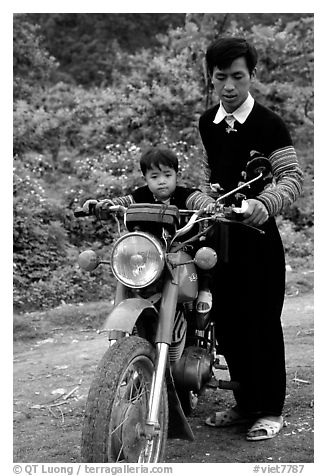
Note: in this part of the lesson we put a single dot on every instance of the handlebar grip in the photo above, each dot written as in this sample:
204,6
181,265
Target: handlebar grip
239,211
116,208
79,212
95,209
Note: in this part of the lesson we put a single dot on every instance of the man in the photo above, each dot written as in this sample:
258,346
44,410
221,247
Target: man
250,286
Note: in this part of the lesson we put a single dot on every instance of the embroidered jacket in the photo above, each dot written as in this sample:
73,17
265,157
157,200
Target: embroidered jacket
226,154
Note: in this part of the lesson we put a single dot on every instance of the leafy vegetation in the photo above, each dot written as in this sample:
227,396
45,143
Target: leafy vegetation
90,93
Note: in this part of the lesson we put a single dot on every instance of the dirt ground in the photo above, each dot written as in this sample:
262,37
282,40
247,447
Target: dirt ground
52,377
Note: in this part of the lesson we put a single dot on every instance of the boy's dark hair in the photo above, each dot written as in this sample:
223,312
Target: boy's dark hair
156,156
223,51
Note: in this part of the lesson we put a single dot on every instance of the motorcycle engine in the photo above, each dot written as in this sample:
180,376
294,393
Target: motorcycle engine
194,369
178,336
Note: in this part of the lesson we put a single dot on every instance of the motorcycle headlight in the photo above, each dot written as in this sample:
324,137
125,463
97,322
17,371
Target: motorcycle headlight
137,259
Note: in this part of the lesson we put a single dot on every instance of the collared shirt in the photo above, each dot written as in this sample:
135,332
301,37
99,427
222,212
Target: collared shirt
240,114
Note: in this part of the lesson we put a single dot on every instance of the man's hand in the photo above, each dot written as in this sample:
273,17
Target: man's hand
256,213
210,208
86,205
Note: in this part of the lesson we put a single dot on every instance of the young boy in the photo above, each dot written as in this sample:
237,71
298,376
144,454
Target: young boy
160,170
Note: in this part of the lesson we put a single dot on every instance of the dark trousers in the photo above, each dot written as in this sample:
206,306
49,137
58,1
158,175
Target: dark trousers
248,294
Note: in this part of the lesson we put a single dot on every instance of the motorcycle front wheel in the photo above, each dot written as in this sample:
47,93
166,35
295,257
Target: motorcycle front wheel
117,407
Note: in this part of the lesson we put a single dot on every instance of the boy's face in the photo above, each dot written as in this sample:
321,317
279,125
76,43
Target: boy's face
232,84
161,181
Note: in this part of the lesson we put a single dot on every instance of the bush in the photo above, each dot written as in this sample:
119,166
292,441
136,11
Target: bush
73,143
48,238
69,284
298,245
160,96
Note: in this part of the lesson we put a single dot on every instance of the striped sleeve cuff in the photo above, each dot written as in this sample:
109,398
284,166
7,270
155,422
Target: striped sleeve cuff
205,186
288,181
198,200
125,201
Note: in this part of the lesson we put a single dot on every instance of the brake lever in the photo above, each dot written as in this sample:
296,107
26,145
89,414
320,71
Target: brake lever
79,212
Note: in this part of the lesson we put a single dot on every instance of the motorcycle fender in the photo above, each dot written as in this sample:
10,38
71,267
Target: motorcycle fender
178,426
124,316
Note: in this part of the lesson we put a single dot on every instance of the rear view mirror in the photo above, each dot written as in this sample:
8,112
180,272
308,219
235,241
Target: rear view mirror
257,166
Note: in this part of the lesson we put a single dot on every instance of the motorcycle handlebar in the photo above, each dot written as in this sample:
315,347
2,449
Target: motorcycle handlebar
80,212
237,212
196,214
117,208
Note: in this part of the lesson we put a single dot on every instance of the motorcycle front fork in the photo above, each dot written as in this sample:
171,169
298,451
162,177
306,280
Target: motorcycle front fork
162,352
152,426
152,421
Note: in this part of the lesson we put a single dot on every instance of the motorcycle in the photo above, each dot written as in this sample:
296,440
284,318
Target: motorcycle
160,356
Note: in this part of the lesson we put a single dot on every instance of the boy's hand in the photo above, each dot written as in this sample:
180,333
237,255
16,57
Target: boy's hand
89,204
256,214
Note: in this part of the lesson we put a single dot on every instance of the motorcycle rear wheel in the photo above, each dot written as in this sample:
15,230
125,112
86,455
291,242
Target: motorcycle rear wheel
117,407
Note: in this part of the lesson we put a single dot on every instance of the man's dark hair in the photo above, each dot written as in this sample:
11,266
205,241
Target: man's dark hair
223,51
156,157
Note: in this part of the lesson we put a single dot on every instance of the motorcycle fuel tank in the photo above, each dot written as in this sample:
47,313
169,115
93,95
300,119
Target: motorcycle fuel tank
188,278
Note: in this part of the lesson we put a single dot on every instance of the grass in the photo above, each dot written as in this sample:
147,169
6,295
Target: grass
39,324
299,282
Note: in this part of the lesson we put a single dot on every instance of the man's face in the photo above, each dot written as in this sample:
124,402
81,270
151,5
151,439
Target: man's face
232,84
161,182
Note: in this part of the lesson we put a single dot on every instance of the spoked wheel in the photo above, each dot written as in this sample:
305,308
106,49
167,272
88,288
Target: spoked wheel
117,407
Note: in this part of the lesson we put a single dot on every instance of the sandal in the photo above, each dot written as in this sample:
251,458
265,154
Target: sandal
270,427
206,298
226,418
